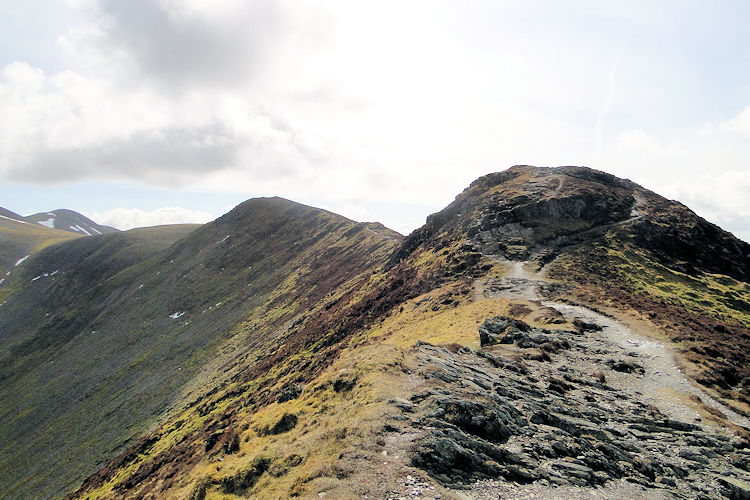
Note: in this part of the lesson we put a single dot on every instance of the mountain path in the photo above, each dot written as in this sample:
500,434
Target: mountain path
546,413
604,413
662,380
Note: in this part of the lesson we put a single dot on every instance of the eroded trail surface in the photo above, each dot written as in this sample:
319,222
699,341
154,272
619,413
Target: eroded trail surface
660,381
543,413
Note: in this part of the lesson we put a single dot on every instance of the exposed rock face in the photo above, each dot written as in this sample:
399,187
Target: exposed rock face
502,330
527,212
557,422
548,215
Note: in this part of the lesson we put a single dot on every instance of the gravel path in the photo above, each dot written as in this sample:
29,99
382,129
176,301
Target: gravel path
658,361
597,413
662,375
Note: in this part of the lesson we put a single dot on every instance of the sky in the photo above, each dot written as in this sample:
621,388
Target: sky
162,111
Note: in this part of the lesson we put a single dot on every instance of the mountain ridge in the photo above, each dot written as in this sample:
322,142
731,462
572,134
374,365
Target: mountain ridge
19,239
358,362
193,292
585,206
4,212
428,279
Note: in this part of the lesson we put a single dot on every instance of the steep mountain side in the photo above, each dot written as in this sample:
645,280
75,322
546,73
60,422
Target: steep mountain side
613,244
129,327
68,220
48,307
313,372
475,355
65,280
451,367
19,239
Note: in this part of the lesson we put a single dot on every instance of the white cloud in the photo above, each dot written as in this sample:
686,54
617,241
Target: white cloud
720,197
68,127
129,218
707,148
740,123
706,169
189,44
23,77
361,103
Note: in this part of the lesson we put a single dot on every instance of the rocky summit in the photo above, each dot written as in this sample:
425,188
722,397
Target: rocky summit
552,333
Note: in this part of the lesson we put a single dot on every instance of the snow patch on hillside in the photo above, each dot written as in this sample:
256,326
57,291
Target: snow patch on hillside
14,220
79,229
50,223
19,261
45,275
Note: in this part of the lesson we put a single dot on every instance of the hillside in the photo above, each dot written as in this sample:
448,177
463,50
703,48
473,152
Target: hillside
68,220
9,214
520,344
23,236
19,238
117,325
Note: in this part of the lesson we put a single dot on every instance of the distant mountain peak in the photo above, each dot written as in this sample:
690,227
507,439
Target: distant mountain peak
69,220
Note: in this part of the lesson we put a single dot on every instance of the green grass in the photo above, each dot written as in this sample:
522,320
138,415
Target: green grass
713,295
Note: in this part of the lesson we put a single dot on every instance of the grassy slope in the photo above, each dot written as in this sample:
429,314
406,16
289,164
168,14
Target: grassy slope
342,404
240,286
42,323
18,239
81,265
344,356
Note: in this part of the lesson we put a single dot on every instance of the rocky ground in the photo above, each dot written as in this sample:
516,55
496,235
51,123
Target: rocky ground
598,412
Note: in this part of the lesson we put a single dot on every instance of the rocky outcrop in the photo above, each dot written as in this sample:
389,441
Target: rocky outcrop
502,330
531,212
556,422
